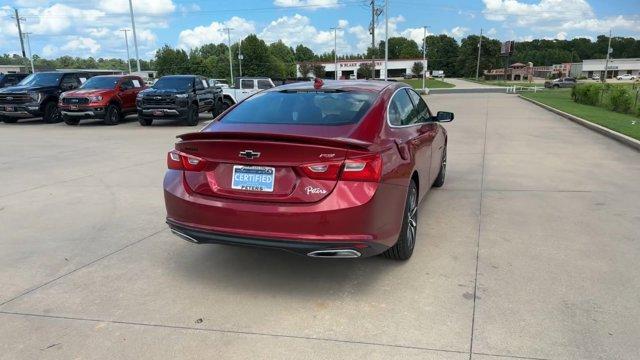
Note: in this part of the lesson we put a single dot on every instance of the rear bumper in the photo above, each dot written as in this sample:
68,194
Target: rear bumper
313,249
363,217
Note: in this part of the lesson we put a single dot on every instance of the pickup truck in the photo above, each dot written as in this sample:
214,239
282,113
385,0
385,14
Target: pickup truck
243,88
565,82
178,97
106,97
37,95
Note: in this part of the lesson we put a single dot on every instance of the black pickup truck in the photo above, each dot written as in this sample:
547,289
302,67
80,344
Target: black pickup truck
37,95
178,97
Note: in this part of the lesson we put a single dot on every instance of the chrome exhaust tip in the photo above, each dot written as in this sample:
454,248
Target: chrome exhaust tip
184,236
334,254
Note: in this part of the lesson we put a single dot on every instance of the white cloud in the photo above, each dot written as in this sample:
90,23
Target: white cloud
297,29
415,34
214,33
457,32
81,45
58,18
148,7
363,37
309,4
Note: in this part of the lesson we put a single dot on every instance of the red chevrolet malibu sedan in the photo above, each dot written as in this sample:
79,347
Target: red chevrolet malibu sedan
331,169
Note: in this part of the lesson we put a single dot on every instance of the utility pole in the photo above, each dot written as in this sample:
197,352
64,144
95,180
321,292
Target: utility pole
386,38
375,12
30,54
228,30
135,37
335,49
606,66
18,19
126,43
479,53
424,57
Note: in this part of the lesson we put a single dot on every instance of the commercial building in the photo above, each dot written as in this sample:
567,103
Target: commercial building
13,69
346,68
615,67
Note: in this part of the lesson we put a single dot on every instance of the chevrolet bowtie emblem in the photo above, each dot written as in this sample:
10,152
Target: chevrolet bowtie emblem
249,154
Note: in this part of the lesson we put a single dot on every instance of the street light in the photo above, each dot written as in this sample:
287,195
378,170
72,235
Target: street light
335,49
126,43
26,35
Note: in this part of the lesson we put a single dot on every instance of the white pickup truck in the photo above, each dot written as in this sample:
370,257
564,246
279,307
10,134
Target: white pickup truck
243,88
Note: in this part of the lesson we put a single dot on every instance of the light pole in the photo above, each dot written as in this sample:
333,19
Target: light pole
240,56
335,49
126,43
135,37
386,38
26,34
228,30
479,52
606,65
424,57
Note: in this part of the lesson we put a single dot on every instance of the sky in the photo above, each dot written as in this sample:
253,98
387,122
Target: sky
93,28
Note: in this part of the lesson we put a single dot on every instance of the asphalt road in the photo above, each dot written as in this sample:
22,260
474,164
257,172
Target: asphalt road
530,250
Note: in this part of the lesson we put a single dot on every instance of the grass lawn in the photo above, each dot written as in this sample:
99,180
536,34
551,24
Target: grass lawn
431,83
561,100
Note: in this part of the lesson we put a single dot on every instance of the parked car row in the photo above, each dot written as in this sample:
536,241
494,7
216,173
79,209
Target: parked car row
73,96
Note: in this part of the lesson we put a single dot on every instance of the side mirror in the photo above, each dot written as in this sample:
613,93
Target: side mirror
444,116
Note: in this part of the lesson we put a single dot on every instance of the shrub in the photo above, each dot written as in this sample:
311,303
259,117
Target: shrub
588,94
620,99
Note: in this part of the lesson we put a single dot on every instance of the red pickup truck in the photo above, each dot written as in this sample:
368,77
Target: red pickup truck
107,97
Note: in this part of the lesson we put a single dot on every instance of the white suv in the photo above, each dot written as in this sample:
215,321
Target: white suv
626,77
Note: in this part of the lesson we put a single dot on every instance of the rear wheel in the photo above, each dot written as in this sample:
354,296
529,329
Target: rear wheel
403,249
144,121
443,170
52,113
226,103
192,115
113,115
8,120
69,120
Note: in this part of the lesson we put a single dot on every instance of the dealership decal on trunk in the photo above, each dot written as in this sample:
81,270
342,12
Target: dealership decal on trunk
314,190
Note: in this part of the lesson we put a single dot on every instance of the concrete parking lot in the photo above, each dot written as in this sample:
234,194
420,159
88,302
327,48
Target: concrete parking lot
529,251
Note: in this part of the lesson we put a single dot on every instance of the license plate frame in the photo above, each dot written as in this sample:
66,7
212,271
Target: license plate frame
158,113
259,178
9,109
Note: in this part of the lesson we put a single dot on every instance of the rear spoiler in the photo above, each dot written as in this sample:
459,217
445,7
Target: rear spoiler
220,135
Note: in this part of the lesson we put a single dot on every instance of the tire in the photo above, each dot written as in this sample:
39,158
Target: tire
226,103
8,120
70,121
403,248
145,121
192,116
52,114
556,86
113,115
443,170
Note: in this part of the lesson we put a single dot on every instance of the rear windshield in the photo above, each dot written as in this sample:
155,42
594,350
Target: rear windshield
302,108
177,83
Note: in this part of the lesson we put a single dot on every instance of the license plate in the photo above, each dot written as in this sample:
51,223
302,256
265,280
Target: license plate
9,108
253,178
73,107
158,113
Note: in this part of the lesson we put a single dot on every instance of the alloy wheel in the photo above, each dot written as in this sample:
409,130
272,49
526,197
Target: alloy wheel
412,227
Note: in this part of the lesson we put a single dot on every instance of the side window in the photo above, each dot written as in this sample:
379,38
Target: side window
126,84
137,82
422,110
246,84
199,85
264,84
401,110
70,82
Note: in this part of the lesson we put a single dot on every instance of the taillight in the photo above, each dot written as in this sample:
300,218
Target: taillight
364,168
177,160
322,171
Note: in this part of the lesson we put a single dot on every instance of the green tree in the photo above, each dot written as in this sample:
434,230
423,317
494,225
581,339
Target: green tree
172,61
285,60
417,68
303,53
257,59
364,70
318,70
468,56
400,48
442,51
305,68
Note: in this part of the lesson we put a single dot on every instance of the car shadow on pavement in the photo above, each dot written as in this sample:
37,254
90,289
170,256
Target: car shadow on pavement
276,272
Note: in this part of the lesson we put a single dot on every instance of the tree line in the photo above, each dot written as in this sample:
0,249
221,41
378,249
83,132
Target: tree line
277,60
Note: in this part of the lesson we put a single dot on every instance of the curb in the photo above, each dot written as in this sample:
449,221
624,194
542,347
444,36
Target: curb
624,139
454,90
